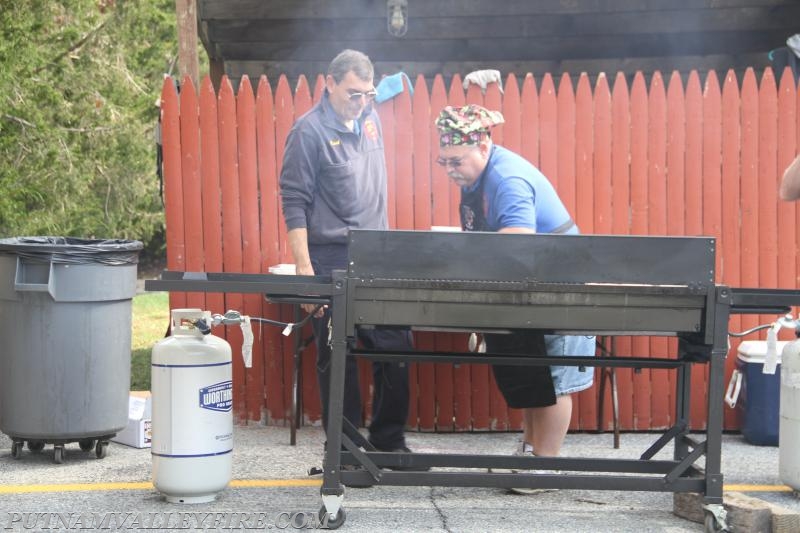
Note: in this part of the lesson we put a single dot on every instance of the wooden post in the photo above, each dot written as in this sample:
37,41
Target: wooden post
186,11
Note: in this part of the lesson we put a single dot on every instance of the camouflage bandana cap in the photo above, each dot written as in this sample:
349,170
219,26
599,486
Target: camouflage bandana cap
465,125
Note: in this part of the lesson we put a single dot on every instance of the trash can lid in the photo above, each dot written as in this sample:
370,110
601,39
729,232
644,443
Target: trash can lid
73,250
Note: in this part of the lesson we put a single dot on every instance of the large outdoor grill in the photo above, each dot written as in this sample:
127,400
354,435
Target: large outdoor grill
569,284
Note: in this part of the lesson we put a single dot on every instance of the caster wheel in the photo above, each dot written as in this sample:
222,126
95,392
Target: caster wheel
58,453
331,523
101,450
86,444
16,448
35,445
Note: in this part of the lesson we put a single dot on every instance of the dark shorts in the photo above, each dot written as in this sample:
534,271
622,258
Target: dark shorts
522,386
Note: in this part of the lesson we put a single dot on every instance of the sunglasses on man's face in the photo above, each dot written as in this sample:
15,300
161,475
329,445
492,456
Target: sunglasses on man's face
454,162
357,96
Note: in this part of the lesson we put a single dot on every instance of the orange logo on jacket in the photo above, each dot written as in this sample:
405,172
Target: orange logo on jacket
370,130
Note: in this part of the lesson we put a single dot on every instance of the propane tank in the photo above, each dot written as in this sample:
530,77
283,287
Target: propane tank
192,392
789,432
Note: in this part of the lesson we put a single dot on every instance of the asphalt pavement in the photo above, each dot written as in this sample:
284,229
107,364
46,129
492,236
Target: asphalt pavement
271,490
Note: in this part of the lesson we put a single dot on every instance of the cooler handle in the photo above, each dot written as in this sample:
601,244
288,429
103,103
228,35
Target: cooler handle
734,387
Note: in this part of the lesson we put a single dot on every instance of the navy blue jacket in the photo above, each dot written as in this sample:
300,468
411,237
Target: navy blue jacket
333,179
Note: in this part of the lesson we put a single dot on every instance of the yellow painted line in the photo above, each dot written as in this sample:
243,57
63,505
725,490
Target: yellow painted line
74,487
146,485
758,488
266,483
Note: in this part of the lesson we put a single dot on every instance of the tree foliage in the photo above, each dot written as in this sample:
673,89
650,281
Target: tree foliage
79,82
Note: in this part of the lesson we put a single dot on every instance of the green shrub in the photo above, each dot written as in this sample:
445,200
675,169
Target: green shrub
78,109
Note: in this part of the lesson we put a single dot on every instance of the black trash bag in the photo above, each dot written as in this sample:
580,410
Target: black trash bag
73,250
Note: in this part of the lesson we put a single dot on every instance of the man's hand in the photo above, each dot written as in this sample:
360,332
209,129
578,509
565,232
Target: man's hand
298,243
308,270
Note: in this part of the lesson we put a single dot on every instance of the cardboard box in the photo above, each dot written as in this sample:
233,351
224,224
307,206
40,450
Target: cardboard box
138,432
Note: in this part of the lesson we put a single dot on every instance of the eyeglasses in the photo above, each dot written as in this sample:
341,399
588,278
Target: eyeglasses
369,95
454,162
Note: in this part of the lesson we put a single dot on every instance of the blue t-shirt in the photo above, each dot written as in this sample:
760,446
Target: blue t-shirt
517,195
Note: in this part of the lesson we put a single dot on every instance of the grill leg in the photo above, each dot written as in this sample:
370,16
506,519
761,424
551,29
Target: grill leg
683,392
608,373
716,391
332,491
297,379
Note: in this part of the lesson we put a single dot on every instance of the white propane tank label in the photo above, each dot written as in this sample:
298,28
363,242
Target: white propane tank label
202,399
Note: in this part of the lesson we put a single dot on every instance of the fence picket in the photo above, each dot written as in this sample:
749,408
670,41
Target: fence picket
319,88
602,224
548,130
693,201
190,178
639,226
620,179
302,103
404,165
712,178
675,181
529,101
210,187
767,184
750,188
274,405
731,198
425,377
657,225
231,227
251,240
565,149
387,117
284,118
173,188
584,408
787,148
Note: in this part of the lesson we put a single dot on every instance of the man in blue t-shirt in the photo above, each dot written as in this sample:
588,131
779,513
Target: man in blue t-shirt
502,192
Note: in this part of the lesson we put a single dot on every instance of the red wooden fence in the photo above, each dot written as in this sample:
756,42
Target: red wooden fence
700,158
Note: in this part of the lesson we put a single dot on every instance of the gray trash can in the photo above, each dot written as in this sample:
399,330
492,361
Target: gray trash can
65,329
